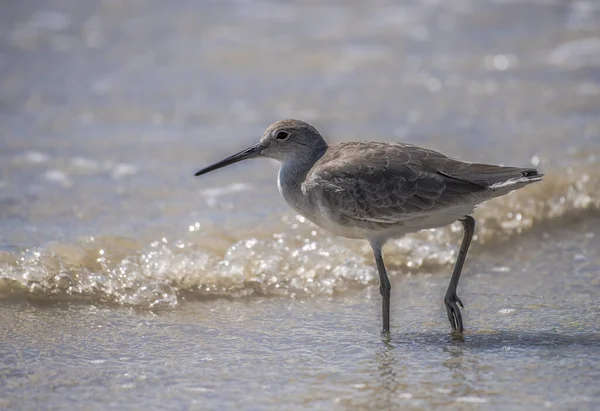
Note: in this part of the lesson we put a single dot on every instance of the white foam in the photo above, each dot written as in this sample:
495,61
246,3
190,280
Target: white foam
577,53
124,170
58,176
472,400
85,163
35,157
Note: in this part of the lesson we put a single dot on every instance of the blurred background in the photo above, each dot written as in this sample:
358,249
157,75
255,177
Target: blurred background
107,108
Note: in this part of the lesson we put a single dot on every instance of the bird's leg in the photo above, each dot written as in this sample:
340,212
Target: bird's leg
384,287
451,300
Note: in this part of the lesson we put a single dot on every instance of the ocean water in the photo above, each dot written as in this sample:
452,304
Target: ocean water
125,282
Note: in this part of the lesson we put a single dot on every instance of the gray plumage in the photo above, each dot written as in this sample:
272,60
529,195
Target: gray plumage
377,191
377,186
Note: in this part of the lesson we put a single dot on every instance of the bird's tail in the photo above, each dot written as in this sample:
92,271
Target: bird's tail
500,180
518,178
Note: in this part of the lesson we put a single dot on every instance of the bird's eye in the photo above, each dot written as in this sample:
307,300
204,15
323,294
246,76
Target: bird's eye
282,135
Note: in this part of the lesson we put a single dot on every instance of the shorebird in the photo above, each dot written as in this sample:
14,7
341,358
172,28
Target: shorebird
380,191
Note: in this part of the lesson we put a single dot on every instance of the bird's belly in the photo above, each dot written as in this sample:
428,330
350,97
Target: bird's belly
396,228
438,218
348,227
342,229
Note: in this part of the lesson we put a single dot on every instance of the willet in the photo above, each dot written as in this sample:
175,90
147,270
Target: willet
380,191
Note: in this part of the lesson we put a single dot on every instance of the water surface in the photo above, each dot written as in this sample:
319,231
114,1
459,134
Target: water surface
126,282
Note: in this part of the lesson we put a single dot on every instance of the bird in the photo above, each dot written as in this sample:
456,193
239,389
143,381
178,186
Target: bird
379,191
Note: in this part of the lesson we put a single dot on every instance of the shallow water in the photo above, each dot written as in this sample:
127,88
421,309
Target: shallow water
125,281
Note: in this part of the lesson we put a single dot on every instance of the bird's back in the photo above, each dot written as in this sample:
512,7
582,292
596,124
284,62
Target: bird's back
379,186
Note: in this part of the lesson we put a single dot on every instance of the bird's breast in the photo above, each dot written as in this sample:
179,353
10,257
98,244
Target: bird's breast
289,187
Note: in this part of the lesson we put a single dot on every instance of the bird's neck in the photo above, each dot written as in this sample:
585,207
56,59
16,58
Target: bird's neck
293,173
294,170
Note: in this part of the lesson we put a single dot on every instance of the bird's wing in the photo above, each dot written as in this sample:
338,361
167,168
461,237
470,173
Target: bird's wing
384,182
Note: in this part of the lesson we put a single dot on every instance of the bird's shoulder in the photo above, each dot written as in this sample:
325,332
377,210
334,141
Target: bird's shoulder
367,164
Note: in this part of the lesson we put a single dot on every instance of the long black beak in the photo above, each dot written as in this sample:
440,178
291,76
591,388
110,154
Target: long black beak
242,155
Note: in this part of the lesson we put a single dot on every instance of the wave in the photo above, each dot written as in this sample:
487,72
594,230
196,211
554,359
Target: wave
294,259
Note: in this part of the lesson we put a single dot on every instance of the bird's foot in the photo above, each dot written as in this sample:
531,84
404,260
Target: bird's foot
454,316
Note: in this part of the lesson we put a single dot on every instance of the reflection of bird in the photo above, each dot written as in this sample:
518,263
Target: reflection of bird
377,191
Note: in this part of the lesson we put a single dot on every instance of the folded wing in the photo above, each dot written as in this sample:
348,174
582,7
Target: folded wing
388,182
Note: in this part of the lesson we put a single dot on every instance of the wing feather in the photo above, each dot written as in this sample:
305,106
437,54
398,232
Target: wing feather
385,182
